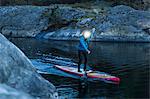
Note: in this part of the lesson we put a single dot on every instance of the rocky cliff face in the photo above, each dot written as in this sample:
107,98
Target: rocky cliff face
17,71
22,21
118,23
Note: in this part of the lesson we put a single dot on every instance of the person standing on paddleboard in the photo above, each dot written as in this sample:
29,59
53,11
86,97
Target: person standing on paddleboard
83,47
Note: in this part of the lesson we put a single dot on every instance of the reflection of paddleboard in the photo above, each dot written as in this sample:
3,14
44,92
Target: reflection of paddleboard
90,74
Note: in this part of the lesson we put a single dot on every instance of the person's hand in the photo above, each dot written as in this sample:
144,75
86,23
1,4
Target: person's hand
89,51
93,30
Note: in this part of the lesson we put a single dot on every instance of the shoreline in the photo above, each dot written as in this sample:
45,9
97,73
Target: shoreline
77,39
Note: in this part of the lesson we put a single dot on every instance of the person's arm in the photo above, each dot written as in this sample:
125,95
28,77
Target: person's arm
93,30
83,44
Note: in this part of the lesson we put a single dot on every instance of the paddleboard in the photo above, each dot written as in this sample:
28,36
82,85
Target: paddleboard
96,75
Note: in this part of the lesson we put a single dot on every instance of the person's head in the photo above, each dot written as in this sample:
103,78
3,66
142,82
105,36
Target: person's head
86,34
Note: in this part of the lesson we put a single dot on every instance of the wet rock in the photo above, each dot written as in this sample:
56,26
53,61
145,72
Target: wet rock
7,92
17,71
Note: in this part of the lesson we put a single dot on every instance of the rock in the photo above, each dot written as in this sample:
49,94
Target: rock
48,2
51,22
17,71
144,23
7,92
63,34
38,2
84,21
29,21
22,21
120,23
124,21
69,14
137,4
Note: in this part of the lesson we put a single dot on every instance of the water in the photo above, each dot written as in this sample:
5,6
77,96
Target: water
128,61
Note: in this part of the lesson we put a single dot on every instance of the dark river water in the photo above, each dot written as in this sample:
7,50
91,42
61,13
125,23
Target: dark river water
128,61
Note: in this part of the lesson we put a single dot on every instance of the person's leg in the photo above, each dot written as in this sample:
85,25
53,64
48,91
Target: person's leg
85,60
80,60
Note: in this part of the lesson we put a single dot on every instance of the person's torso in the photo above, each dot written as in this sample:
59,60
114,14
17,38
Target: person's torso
81,47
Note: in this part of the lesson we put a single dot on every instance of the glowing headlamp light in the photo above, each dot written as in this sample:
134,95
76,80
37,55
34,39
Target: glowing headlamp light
86,34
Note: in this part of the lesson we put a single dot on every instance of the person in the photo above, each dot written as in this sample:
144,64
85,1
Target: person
83,47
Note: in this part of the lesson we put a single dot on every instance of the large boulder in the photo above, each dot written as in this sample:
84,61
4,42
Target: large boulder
7,92
22,21
17,71
29,21
125,23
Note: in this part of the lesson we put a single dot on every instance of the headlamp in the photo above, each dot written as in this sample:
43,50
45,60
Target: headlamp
86,34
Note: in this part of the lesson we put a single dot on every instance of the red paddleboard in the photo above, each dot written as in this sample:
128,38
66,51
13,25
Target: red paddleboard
90,74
